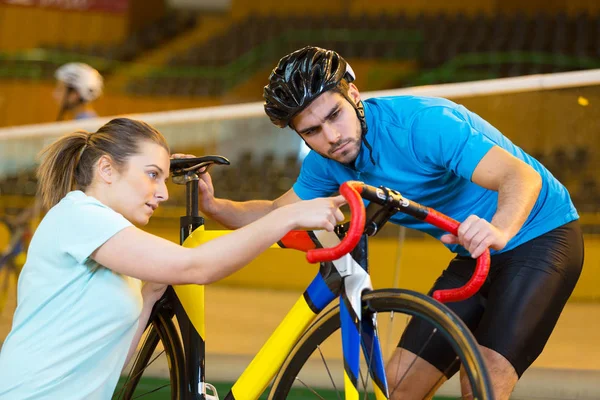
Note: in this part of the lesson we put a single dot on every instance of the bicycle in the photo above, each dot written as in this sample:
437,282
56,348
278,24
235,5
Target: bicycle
12,258
343,273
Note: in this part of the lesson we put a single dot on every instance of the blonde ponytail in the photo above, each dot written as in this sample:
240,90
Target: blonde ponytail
56,173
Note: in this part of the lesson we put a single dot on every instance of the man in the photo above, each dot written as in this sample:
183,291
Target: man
77,86
439,154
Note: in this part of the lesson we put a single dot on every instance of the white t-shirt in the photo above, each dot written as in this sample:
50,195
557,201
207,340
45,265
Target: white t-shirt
75,319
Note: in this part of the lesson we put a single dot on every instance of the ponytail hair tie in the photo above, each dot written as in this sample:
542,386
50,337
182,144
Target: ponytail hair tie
85,146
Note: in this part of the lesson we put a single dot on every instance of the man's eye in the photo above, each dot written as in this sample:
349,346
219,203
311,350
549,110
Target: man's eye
335,114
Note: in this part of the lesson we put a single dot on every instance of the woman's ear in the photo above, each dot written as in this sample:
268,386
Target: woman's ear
105,169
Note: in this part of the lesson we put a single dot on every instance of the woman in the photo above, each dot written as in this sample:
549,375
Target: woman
81,306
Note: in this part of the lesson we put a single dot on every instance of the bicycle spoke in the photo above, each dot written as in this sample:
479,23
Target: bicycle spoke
152,391
413,361
133,364
364,382
136,359
329,373
324,336
360,374
369,365
386,345
311,389
146,375
149,363
138,374
400,357
452,364
444,374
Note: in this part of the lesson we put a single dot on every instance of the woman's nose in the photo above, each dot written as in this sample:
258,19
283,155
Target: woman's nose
163,193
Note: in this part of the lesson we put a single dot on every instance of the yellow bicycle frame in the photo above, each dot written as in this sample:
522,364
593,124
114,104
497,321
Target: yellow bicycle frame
269,359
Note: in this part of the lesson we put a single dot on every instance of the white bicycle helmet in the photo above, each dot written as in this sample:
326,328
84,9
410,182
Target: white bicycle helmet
84,79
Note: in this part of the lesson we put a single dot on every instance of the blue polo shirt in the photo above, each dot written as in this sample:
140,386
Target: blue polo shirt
427,149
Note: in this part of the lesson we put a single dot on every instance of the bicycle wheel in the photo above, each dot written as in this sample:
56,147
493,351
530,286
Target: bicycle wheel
316,364
158,368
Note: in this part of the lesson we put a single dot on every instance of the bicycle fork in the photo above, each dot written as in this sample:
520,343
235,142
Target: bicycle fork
358,328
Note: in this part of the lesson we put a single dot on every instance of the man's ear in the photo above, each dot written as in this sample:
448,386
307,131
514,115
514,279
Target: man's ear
105,169
353,93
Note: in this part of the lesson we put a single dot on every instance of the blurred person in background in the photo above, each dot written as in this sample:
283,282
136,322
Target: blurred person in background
441,155
77,86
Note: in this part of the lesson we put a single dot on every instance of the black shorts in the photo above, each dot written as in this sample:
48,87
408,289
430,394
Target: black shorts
518,306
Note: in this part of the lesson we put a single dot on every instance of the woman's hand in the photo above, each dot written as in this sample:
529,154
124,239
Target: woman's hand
323,213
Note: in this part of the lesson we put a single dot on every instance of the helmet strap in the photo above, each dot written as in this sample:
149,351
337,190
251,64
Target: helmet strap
360,113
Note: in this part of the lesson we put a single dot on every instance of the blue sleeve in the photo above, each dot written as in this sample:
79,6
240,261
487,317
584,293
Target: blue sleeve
442,137
314,180
91,225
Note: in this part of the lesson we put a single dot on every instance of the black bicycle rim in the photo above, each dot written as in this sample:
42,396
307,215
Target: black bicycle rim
381,301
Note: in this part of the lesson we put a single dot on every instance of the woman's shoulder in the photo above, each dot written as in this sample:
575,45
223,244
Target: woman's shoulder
80,223
78,207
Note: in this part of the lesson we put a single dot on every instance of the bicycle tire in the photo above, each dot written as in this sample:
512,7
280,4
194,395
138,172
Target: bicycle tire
390,300
162,329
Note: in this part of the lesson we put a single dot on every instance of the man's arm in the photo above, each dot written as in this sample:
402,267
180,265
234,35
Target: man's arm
235,214
518,186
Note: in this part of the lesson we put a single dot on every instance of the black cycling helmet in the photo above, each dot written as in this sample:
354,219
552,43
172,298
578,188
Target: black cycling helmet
299,78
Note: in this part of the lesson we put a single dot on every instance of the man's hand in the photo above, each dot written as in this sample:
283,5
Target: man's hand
207,203
476,234
181,155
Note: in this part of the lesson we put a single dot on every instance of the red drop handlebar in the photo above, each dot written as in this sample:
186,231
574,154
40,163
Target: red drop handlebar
354,192
351,192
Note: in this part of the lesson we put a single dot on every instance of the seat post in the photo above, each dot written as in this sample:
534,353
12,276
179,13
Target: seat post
192,218
191,194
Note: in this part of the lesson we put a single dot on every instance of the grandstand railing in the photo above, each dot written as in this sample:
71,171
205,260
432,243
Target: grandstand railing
228,129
